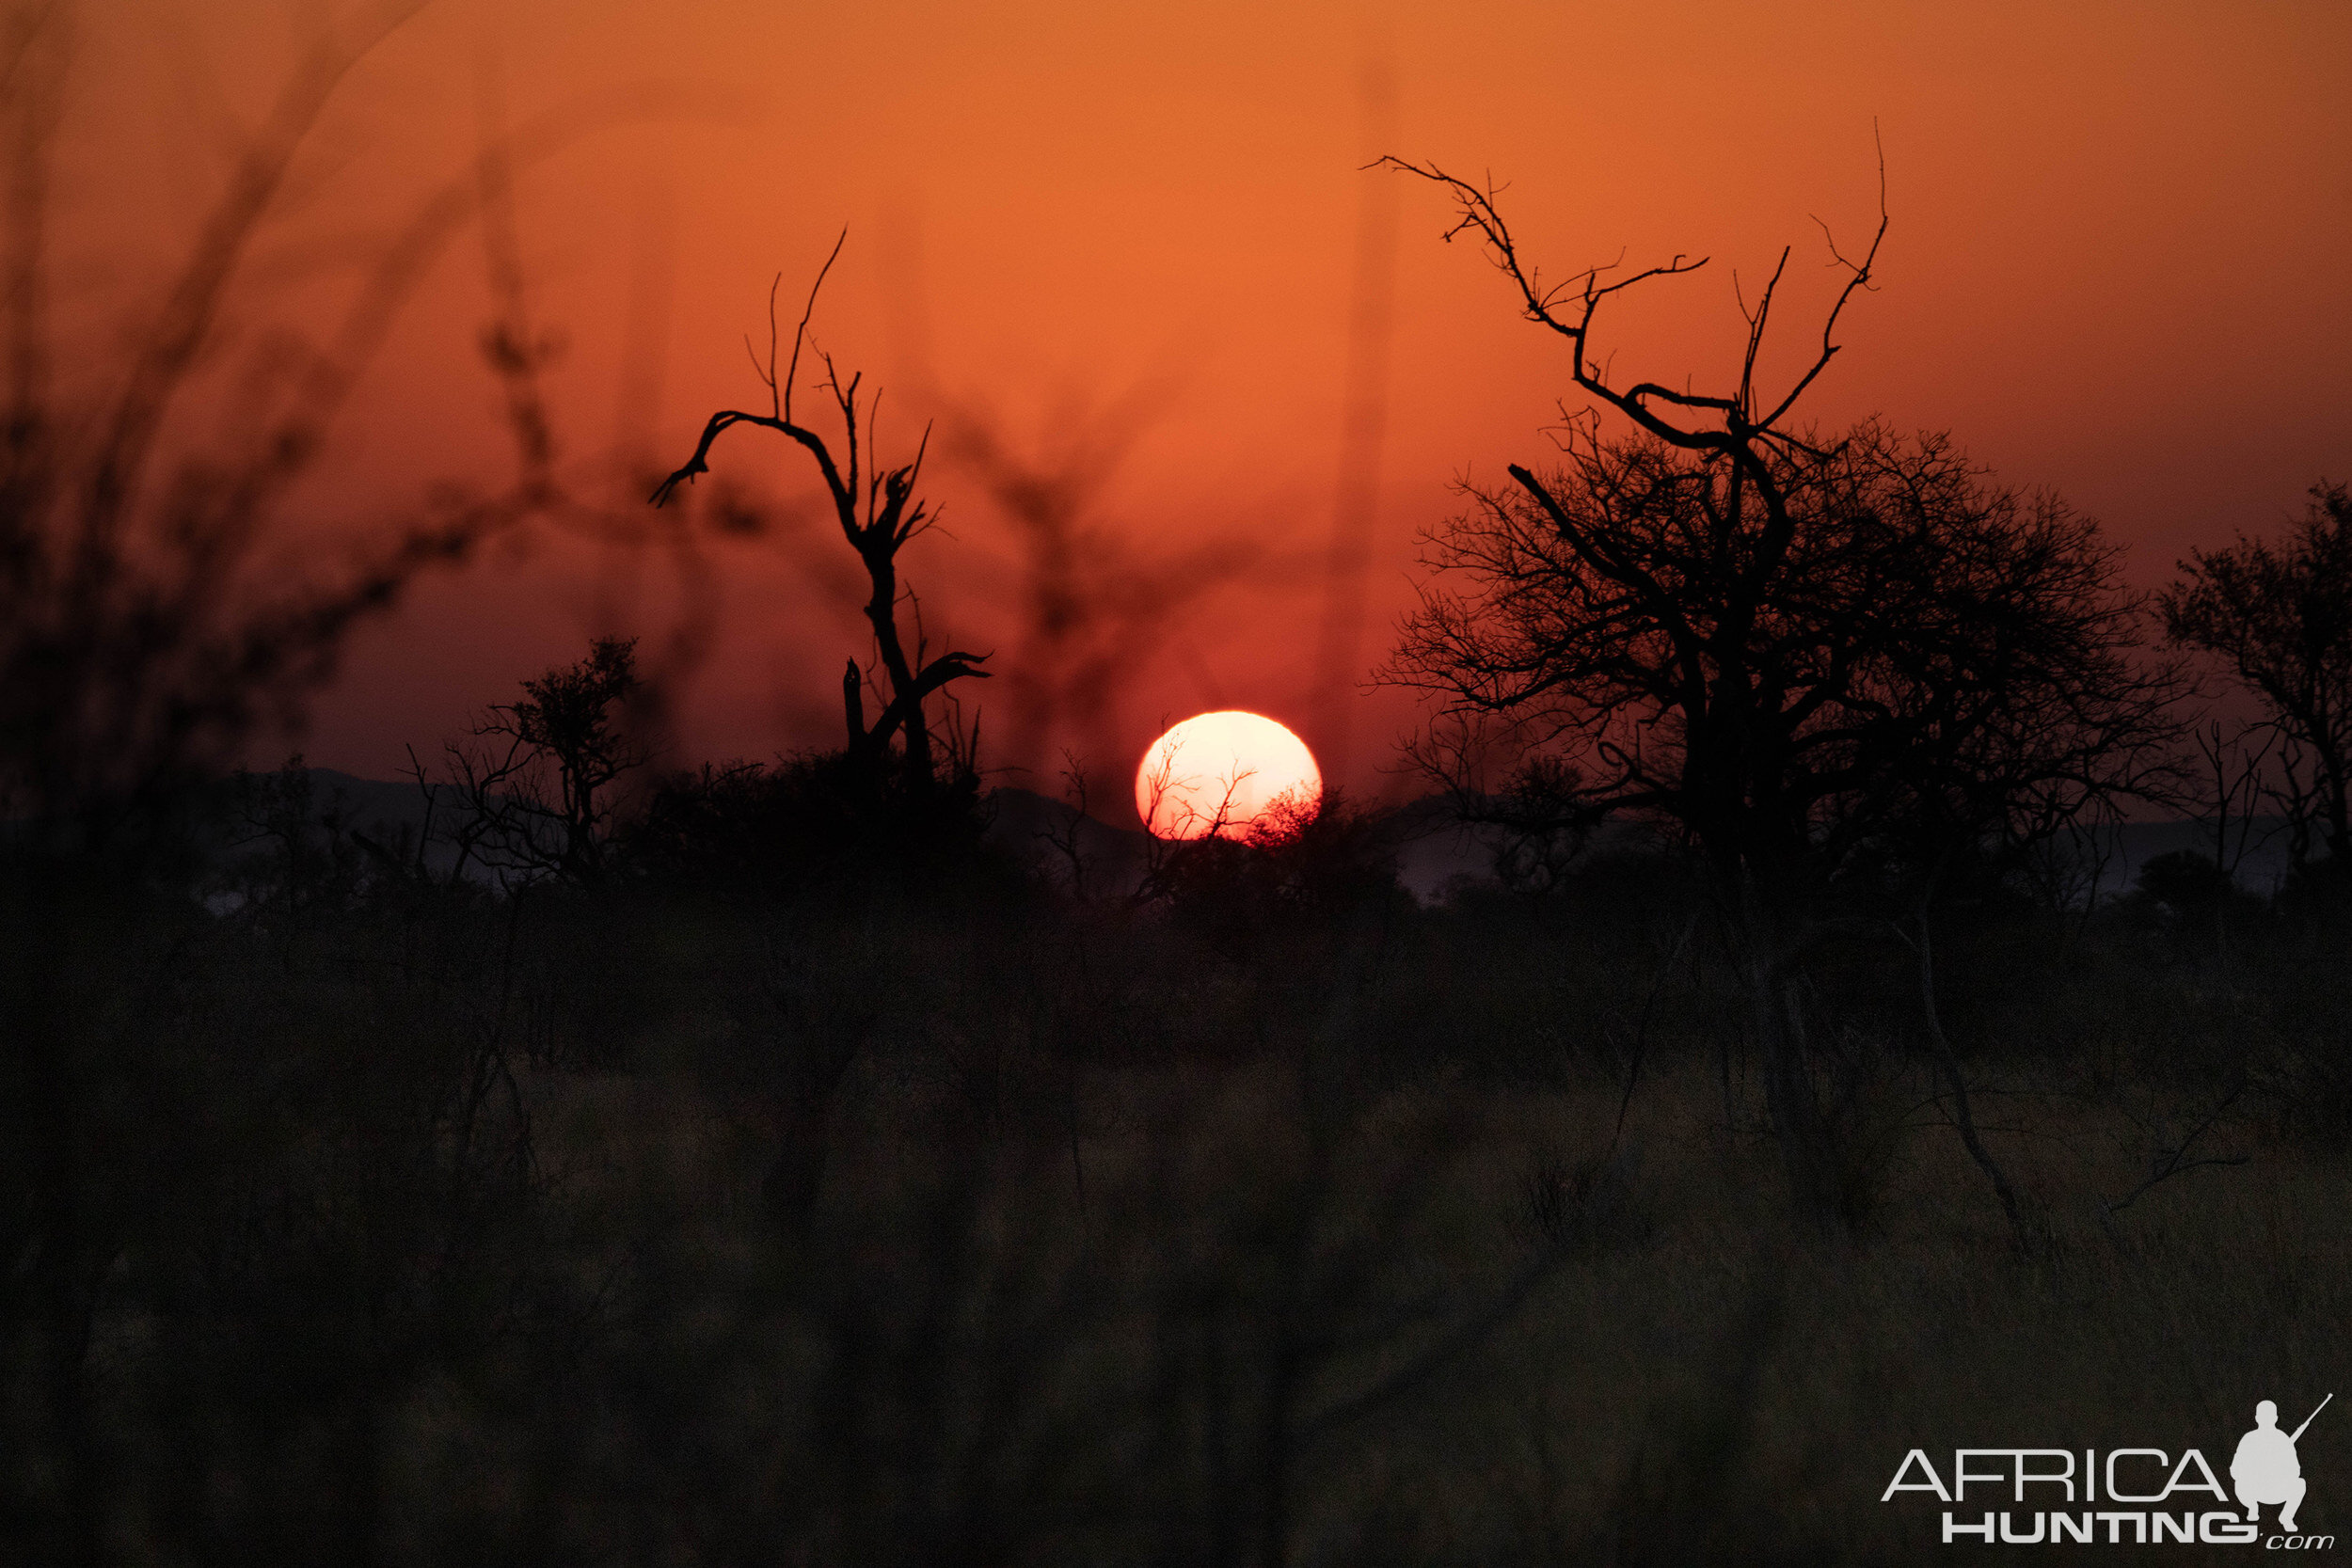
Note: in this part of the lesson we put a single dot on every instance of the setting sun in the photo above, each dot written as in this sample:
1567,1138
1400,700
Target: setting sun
1217,772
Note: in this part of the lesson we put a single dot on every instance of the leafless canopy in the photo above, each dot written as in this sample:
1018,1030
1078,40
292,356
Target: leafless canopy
1784,645
1740,425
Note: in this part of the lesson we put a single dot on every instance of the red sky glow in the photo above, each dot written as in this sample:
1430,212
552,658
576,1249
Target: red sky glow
1124,242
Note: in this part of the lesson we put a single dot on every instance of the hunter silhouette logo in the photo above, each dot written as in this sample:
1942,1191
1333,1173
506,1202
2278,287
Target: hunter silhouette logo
2266,1471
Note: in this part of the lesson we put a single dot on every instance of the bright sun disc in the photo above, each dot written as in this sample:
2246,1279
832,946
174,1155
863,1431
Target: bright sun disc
1219,771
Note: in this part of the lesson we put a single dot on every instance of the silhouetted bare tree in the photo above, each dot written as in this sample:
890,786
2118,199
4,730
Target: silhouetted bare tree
2282,617
1803,653
878,515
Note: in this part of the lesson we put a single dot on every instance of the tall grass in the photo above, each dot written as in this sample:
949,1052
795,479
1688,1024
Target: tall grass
976,1226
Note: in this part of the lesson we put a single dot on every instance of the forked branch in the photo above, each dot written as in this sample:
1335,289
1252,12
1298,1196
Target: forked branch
1570,308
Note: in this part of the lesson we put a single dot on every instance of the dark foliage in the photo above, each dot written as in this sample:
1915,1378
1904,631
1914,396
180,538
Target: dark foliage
534,783
820,821
596,1221
2186,882
1297,870
2280,618
1915,662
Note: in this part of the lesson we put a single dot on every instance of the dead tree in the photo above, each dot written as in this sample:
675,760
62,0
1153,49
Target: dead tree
878,515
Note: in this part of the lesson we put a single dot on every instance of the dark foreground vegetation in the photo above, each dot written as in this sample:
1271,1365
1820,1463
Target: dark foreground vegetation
906,1207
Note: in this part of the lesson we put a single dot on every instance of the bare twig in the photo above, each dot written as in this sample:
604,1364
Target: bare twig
2173,1161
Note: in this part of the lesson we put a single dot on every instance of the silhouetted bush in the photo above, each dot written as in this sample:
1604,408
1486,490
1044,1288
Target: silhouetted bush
1298,870
2186,882
812,822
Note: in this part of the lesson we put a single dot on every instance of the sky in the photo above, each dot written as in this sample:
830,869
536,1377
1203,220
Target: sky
1132,251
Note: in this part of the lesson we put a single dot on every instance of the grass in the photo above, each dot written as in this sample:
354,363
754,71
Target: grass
983,1227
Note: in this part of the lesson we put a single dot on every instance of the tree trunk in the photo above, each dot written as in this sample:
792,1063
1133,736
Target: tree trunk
1770,941
1806,1150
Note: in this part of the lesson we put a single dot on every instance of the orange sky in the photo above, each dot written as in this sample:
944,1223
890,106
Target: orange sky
2116,267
